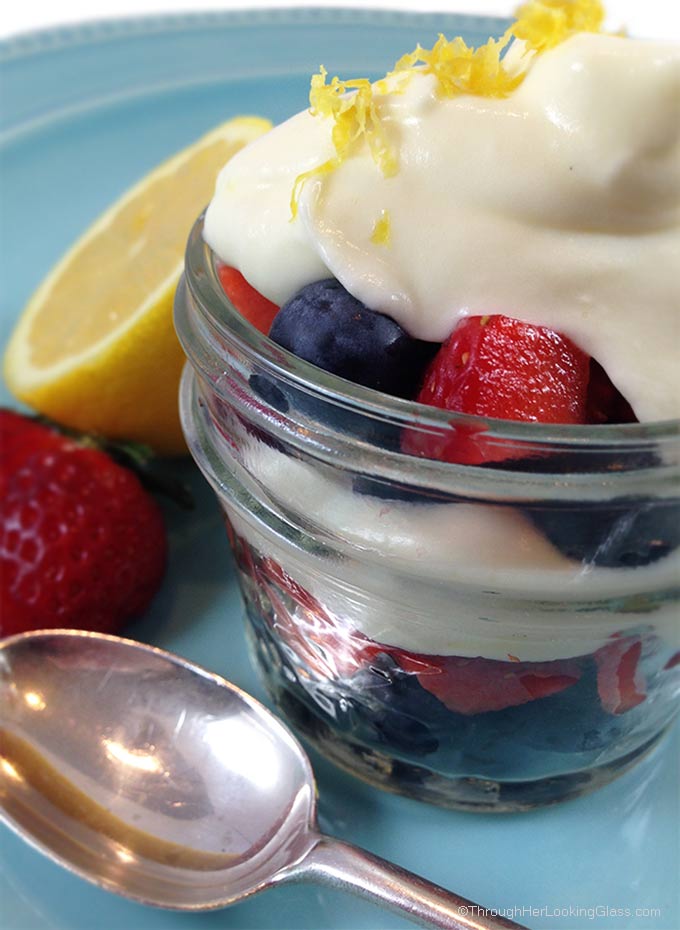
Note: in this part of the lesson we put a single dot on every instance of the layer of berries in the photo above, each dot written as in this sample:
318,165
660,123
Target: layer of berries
496,718
329,649
493,366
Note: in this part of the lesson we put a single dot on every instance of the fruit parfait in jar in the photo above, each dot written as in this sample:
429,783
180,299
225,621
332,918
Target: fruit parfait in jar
432,324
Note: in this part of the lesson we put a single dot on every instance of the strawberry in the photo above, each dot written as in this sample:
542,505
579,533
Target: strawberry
19,439
465,685
499,367
620,682
476,685
331,649
82,544
321,641
605,404
250,303
672,662
270,571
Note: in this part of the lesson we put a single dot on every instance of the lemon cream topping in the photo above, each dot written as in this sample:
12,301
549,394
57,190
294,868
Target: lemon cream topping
538,176
458,69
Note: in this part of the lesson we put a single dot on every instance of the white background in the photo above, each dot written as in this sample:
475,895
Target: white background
658,18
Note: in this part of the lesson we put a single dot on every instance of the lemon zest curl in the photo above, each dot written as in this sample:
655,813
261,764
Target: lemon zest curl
543,24
354,106
382,229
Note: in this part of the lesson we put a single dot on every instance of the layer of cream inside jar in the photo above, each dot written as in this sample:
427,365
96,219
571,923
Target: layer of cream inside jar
455,579
558,205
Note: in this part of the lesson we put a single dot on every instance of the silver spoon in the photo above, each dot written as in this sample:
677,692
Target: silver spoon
164,783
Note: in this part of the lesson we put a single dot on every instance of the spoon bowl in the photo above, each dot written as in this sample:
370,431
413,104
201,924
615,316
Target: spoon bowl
164,783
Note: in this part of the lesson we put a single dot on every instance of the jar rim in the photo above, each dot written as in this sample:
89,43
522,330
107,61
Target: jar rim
229,324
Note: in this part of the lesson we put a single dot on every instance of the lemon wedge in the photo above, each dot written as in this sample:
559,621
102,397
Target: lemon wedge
95,348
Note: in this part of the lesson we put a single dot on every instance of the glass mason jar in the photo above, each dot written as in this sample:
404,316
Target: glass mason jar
492,637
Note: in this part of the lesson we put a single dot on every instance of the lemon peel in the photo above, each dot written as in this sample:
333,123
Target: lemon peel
461,69
354,107
543,24
539,24
382,230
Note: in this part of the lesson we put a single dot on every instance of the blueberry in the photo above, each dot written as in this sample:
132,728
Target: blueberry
572,721
391,708
367,485
624,533
325,325
576,461
267,391
299,406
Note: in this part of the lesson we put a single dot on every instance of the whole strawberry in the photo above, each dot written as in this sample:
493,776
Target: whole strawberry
82,544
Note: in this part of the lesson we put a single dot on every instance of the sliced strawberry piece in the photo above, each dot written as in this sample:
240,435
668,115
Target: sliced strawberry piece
499,367
620,682
477,685
332,649
320,640
672,662
273,572
605,403
250,303
494,366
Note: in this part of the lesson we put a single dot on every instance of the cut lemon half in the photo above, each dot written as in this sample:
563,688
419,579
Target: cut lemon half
95,348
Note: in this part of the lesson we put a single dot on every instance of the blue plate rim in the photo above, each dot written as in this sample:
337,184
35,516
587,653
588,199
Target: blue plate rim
58,38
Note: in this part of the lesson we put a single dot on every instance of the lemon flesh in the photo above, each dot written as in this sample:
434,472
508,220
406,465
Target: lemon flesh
95,348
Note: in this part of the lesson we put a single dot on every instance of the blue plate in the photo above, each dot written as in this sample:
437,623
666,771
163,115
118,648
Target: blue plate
86,111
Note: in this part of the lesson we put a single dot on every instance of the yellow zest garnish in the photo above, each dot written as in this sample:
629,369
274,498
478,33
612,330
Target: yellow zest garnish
461,69
300,180
382,232
352,107
458,68
543,24
355,117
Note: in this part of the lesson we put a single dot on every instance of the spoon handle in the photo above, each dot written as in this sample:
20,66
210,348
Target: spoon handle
341,865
